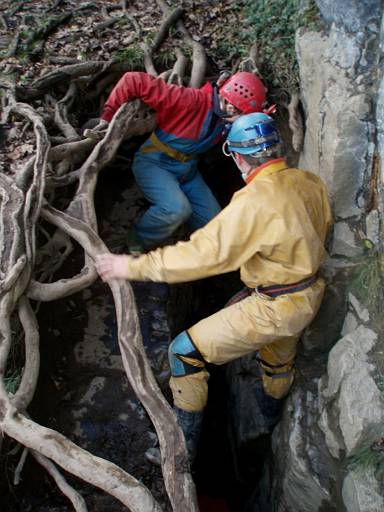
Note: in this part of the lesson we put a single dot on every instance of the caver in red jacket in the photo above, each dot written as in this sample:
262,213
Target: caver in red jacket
184,116
165,167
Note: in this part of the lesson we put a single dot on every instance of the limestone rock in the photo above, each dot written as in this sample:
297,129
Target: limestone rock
304,469
352,403
344,241
354,15
373,226
361,312
320,336
338,416
361,492
350,324
336,111
380,115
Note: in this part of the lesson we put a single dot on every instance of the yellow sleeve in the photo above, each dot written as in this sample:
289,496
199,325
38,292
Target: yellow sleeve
223,245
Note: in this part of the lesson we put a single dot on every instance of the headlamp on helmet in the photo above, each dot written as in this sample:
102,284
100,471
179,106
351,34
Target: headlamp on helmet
252,133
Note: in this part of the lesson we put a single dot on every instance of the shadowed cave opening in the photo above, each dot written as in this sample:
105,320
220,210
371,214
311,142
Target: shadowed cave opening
224,482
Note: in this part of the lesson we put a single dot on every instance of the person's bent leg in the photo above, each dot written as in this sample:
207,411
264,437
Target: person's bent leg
277,362
253,324
169,205
189,388
203,202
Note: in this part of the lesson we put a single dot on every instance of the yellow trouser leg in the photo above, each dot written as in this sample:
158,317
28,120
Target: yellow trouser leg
190,392
277,364
271,328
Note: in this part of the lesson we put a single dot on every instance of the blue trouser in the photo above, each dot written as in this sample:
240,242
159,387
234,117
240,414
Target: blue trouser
177,194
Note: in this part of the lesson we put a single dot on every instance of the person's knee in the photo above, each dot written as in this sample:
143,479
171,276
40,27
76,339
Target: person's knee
176,213
190,392
278,383
184,358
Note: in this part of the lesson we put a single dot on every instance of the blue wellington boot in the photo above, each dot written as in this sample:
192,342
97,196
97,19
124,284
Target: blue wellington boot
190,423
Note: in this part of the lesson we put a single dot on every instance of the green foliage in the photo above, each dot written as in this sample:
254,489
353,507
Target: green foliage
272,25
165,60
380,383
133,55
12,381
33,36
24,80
366,282
366,458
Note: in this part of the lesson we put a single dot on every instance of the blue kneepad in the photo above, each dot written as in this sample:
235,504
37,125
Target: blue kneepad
182,345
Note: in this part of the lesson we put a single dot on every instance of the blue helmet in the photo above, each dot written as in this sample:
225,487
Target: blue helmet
252,133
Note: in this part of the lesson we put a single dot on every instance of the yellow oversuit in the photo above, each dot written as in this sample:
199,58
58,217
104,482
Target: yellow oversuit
274,230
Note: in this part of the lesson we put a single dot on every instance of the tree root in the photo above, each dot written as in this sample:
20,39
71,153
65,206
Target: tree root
94,470
250,63
178,72
47,27
15,8
295,121
3,21
199,57
64,74
61,113
74,151
148,60
47,292
24,204
12,49
21,207
76,499
24,394
169,20
174,456
19,467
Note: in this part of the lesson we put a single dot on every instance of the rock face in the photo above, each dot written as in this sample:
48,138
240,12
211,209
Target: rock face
361,491
323,450
338,109
349,387
353,15
304,476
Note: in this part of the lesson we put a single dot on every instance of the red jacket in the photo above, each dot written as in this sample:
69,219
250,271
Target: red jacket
184,116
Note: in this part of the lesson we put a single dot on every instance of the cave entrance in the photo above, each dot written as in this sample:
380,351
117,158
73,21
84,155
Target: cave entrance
86,394
224,481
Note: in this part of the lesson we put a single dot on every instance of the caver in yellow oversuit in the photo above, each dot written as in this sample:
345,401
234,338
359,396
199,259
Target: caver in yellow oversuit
274,231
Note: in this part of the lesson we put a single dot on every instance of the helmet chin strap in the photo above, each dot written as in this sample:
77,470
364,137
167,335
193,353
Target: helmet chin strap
217,101
222,113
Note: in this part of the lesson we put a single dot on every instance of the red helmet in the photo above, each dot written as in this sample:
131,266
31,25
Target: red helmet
244,91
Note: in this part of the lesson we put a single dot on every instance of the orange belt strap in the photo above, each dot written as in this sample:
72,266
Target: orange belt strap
157,145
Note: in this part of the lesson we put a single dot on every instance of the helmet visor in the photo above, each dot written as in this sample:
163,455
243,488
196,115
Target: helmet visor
255,138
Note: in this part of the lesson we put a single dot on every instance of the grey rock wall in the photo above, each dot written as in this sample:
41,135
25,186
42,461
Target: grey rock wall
338,142
304,477
324,455
352,405
353,15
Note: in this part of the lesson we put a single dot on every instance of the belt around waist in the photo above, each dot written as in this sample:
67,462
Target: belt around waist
158,145
282,289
